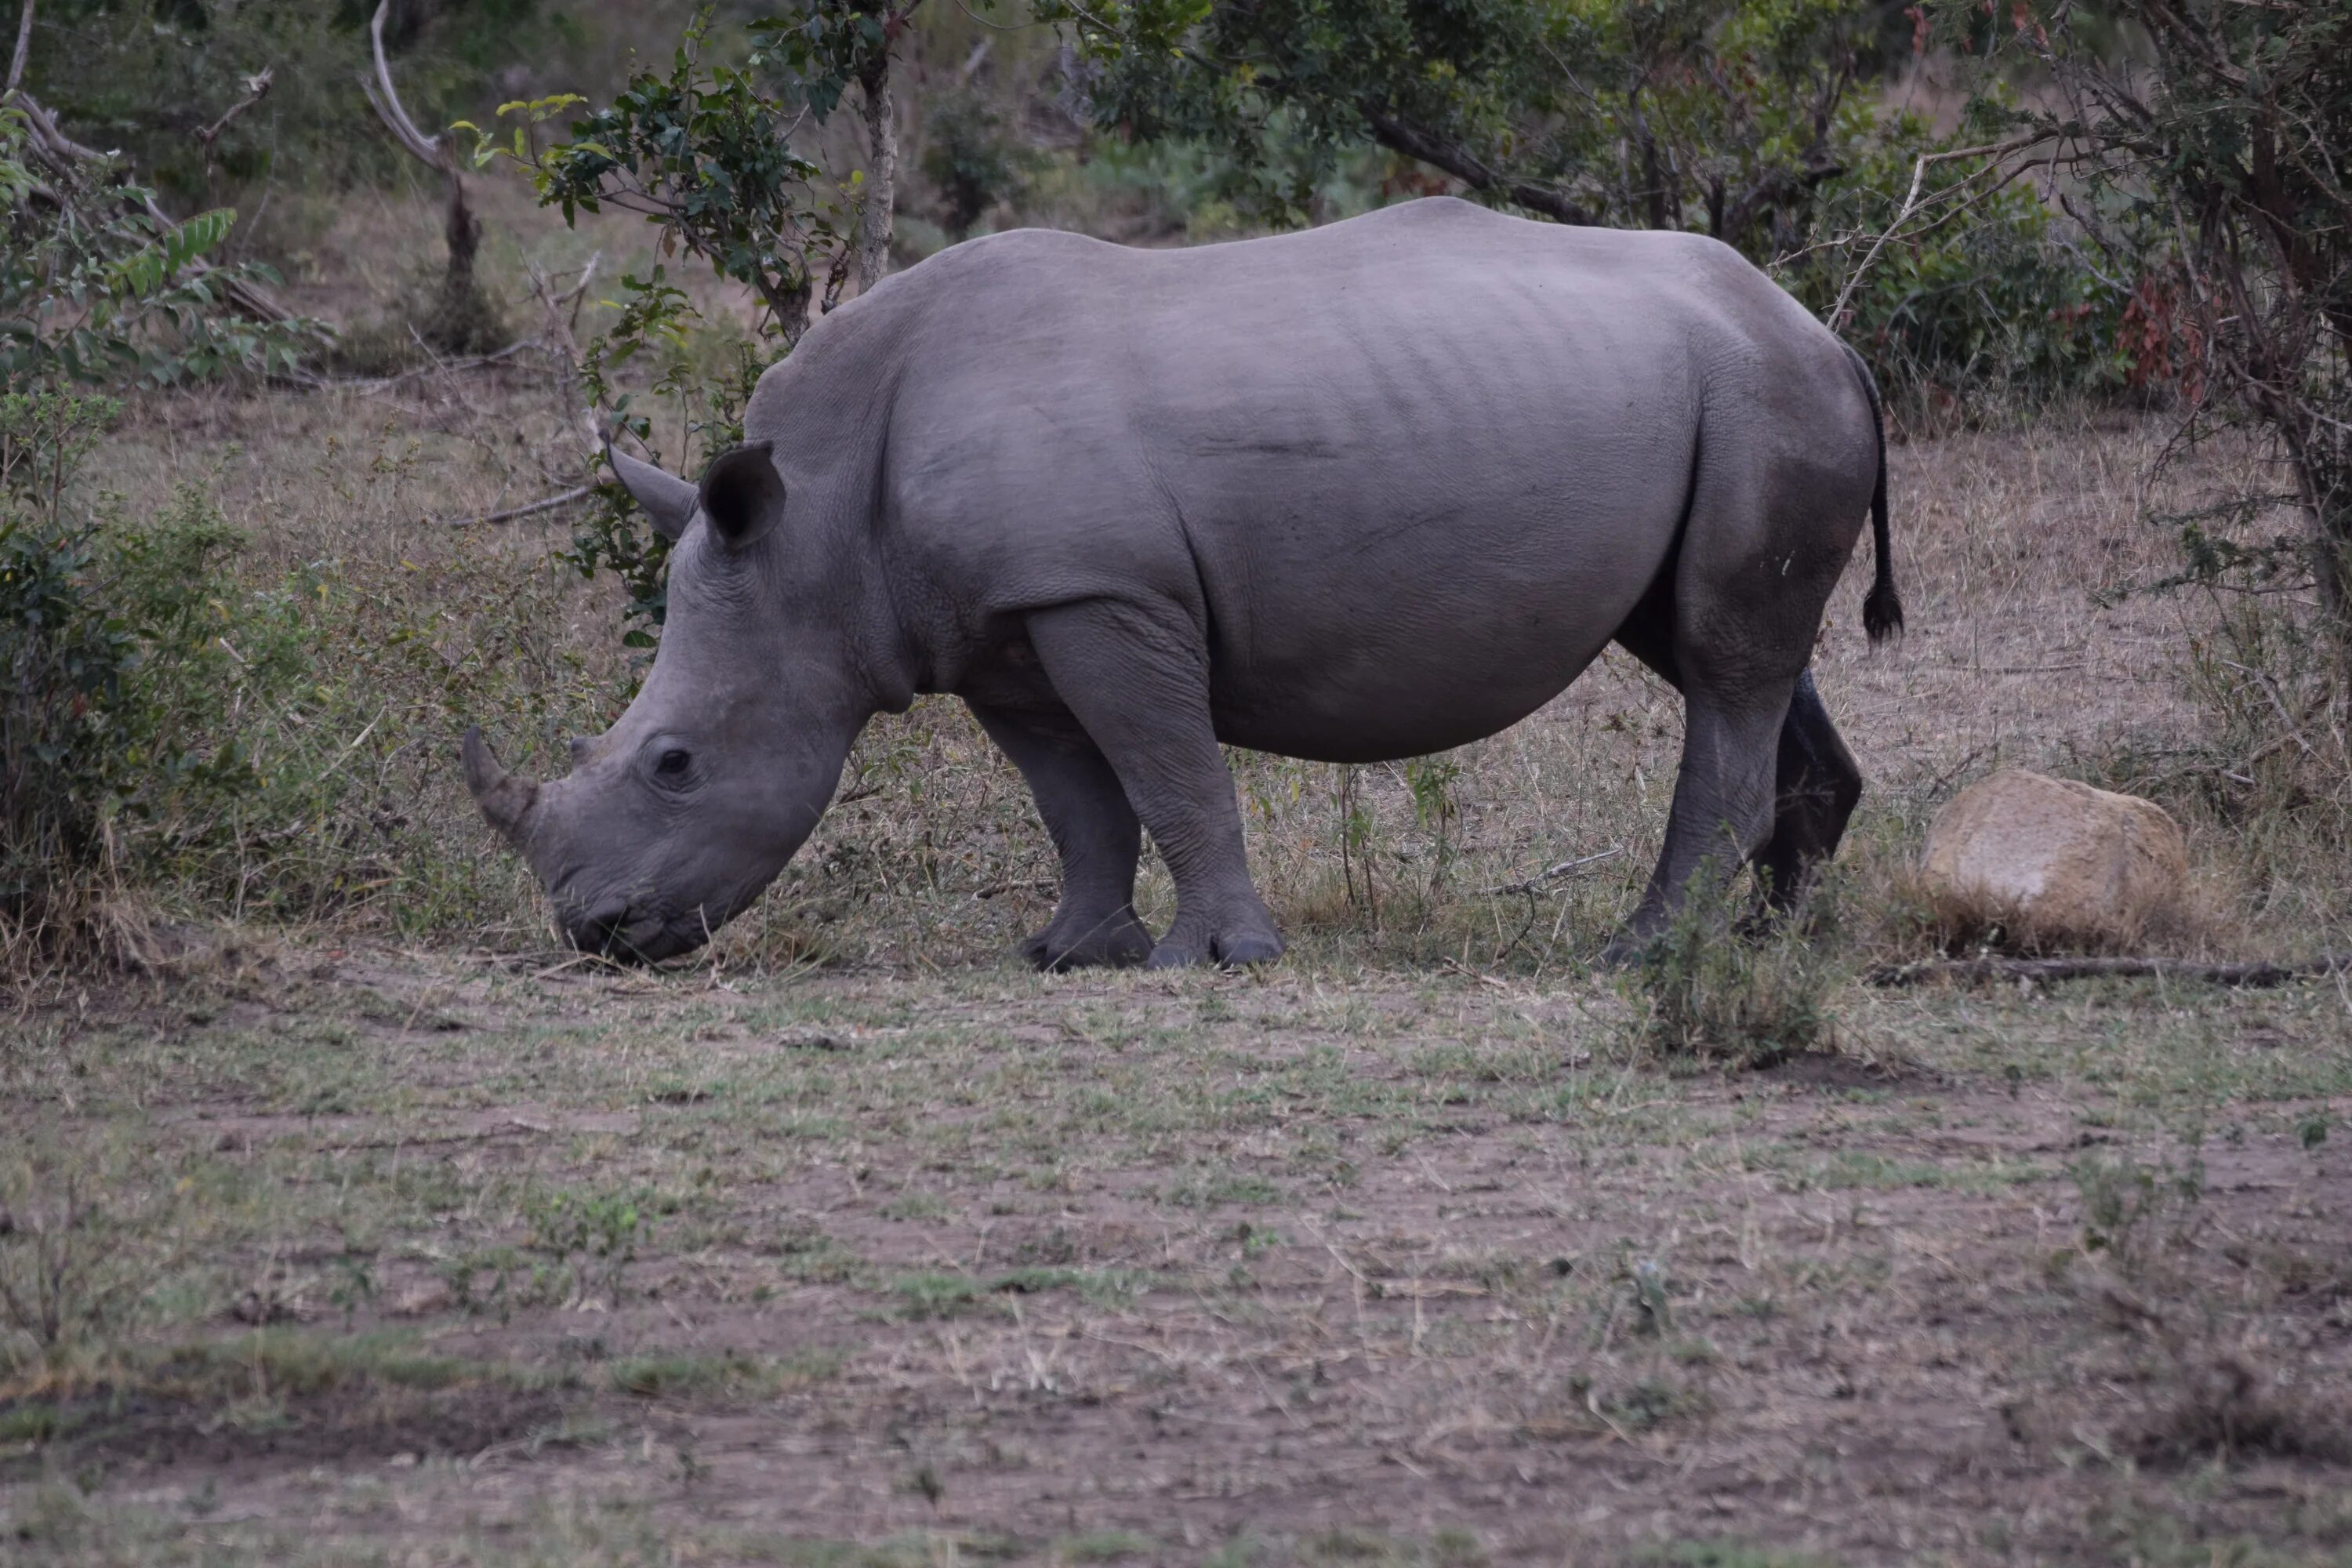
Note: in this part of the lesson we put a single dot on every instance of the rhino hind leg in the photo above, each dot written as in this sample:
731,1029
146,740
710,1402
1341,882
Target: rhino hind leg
1816,786
1723,807
1139,681
1731,623
1095,832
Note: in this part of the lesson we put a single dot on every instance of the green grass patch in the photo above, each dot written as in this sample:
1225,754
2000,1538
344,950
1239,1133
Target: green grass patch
729,1374
953,1295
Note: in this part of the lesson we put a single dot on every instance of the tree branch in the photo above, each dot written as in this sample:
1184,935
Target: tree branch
65,156
2262,972
24,46
385,97
461,230
1911,203
1463,165
580,493
257,87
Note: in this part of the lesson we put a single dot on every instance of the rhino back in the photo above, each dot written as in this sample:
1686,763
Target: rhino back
1409,473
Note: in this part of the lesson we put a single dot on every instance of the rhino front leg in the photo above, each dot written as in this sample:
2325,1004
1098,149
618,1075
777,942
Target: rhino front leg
1139,680
1094,831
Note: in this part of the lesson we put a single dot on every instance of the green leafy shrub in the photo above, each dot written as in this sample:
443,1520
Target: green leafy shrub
1986,302
217,734
95,290
1750,121
99,620
694,149
971,160
88,1232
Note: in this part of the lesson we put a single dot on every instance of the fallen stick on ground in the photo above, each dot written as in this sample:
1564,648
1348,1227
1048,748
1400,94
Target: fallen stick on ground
2260,972
369,386
550,504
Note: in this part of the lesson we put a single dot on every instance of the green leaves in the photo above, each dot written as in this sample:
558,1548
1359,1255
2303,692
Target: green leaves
1718,115
106,295
820,52
702,150
147,270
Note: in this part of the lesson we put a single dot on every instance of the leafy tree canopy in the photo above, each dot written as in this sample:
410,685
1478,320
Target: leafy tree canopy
1722,115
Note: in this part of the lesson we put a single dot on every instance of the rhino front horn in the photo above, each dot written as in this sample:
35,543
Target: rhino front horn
503,796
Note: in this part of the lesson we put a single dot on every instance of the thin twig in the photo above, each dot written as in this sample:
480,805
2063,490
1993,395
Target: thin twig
1535,883
257,87
587,274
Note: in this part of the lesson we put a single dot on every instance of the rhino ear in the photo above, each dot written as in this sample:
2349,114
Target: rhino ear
669,500
742,494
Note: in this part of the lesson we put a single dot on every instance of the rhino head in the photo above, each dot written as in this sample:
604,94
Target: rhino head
674,819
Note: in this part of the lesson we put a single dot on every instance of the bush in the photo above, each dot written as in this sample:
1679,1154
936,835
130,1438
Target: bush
1716,987
971,160
217,733
1994,309
91,618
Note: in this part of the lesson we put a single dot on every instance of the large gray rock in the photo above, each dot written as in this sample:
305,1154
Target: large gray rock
2062,861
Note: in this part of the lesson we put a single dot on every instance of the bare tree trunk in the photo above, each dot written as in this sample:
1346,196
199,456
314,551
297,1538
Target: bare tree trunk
463,231
874,222
462,321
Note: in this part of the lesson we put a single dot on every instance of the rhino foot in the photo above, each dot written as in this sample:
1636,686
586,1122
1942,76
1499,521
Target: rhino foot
1111,942
1234,946
1625,951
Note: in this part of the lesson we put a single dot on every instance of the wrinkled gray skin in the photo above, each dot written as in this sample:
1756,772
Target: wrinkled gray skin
1364,493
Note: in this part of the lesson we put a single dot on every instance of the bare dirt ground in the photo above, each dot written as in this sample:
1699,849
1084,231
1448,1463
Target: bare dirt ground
565,1268
859,1245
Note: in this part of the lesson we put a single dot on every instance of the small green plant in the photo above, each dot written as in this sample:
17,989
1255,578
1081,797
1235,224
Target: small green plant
2130,1210
1713,987
600,1230
1432,781
498,1280
1648,1404
83,1239
1653,1313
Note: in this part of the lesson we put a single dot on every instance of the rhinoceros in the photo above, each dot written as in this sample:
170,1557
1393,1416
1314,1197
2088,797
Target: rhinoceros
1352,494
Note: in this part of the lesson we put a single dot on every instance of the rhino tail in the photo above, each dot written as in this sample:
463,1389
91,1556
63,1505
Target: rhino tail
1882,607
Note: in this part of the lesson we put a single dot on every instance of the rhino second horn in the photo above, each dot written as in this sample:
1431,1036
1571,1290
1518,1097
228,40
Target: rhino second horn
503,796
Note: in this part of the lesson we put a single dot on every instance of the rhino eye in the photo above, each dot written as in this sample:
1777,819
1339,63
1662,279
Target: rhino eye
672,763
